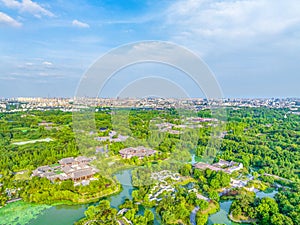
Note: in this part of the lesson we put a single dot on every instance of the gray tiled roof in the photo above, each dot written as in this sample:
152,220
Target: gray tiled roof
82,173
66,169
82,159
44,168
139,151
67,160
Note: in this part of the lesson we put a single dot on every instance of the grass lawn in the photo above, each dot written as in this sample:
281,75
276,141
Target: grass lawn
24,175
54,165
212,208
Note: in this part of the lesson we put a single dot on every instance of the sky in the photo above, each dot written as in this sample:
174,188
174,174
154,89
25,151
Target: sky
251,46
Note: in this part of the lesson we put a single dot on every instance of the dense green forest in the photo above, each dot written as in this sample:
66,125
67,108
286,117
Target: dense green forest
266,141
261,138
284,209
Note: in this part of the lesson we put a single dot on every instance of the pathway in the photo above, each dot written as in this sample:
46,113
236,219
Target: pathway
277,177
33,141
14,200
193,215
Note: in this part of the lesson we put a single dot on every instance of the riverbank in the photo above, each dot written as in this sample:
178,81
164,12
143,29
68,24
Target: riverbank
245,221
223,216
103,194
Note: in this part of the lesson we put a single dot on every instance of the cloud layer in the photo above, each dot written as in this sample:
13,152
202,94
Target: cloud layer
251,45
29,7
233,19
7,20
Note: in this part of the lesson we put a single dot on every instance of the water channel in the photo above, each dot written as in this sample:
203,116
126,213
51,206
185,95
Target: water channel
68,214
221,216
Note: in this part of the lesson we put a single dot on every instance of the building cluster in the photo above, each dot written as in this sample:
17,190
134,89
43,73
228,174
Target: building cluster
222,165
189,122
42,104
168,127
47,125
113,137
201,120
75,104
76,169
197,122
139,152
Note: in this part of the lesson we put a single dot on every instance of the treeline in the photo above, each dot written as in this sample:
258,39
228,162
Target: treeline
261,138
284,209
41,190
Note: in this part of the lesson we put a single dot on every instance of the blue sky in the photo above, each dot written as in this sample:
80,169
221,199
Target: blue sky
252,46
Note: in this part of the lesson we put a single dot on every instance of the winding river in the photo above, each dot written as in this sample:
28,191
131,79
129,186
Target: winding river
68,214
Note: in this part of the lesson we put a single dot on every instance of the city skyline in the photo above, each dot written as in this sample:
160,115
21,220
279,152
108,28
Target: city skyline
252,47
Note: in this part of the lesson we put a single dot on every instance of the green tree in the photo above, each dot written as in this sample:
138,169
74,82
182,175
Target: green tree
280,219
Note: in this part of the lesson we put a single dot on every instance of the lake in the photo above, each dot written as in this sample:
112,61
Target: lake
68,214
22,213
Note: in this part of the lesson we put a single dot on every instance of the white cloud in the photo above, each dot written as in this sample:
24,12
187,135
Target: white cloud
28,6
7,20
47,63
77,23
233,19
